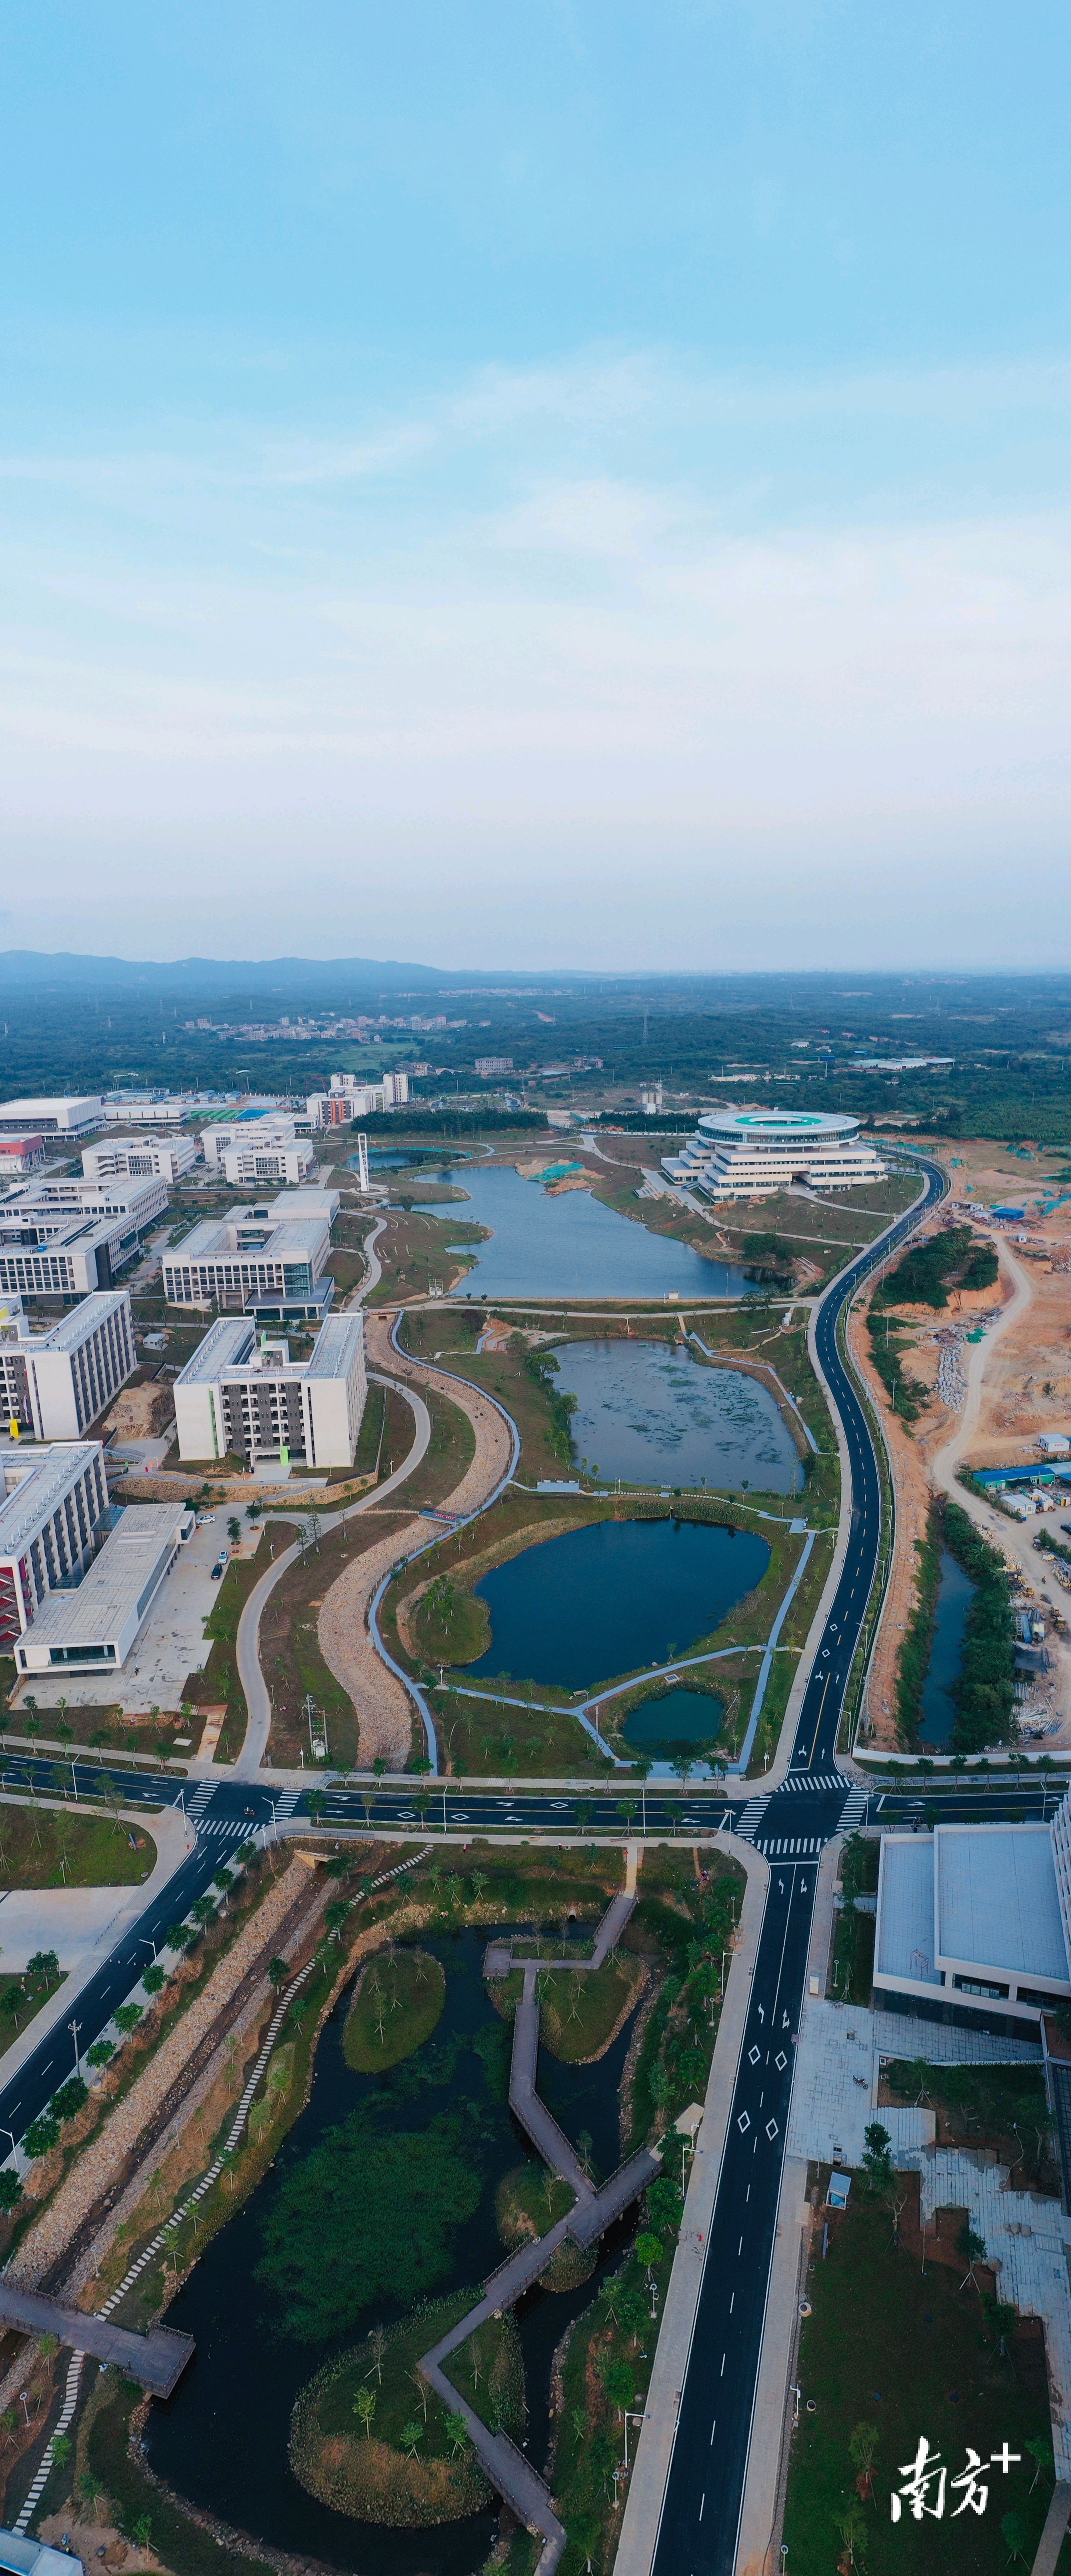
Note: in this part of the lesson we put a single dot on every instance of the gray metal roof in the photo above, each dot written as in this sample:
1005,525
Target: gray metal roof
336,1347
83,1319
997,1904
905,1935
225,1347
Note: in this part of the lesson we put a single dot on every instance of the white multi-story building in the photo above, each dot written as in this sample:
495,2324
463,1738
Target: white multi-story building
351,1097
53,1503
69,1258
67,1117
752,1153
50,1204
54,1384
974,1923
92,1628
239,1135
20,1155
133,1158
270,1260
248,1166
241,1395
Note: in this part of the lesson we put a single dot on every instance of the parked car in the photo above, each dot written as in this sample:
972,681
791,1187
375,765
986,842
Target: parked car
219,1568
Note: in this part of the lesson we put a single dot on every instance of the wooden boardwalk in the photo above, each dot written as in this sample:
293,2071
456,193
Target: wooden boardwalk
593,2211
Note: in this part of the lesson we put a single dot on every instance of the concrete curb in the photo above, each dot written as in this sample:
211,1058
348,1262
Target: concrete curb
650,2474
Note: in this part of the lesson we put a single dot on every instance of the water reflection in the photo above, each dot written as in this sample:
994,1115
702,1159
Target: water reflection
663,1416
955,1593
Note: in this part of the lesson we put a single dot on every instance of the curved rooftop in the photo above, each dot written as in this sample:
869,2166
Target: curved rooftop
750,1125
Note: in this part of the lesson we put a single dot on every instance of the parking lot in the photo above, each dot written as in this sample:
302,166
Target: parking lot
172,1642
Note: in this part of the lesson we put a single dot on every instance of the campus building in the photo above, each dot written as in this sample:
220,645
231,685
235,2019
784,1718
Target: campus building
54,1384
53,1508
140,1158
69,1259
269,1260
20,1155
52,1118
350,1097
141,1197
242,1396
974,1924
92,1628
753,1153
250,1132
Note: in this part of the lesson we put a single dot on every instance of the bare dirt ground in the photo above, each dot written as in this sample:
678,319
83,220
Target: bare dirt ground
382,1705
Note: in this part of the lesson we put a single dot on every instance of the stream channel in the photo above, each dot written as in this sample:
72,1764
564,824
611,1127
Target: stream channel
222,2439
955,1593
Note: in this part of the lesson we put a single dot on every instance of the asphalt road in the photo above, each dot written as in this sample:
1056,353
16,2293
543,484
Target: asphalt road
705,2489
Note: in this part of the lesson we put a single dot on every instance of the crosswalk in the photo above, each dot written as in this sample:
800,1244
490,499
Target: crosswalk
286,1805
751,1818
785,1847
227,1828
811,1780
205,1790
854,1809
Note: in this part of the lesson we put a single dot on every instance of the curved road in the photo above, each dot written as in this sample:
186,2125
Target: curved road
708,2470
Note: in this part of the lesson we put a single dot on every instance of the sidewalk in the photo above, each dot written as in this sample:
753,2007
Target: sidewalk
647,2487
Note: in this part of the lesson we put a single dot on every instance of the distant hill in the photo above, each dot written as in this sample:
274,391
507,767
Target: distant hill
26,969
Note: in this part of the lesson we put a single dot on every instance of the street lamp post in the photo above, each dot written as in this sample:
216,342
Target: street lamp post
74,2027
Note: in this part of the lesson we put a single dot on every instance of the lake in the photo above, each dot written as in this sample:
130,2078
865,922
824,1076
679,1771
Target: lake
661,1416
955,1593
222,2439
573,1246
613,1598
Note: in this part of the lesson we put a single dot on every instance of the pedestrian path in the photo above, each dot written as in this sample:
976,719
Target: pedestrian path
205,1790
854,1809
593,2211
286,1804
751,1817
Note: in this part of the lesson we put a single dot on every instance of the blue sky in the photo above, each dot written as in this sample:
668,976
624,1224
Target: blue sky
560,484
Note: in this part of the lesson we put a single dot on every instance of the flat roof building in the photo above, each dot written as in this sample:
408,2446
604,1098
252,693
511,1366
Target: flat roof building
66,1117
975,1917
242,1396
246,1132
141,1197
94,1626
255,1255
171,1110
133,1158
53,1503
250,1165
20,1154
54,1384
753,1153
70,1259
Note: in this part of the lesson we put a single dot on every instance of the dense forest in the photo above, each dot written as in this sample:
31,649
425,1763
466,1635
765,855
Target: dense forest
101,1024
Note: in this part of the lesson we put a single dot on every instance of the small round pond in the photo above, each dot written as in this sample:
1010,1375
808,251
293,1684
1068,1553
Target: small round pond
222,2440
677,1717
614,1597
662,1415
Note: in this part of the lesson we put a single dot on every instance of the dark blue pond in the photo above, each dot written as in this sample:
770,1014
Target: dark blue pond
222,2439
676,1717
955,1593
614,1597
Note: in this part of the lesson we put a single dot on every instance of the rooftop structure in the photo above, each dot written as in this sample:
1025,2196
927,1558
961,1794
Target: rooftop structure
95,1625
258,1160
171,1110
66,1117
263,1252
241,1395
49,1203
753,1153
972,1917
247,1131
52,1504
68,1256
132,1158
53,1384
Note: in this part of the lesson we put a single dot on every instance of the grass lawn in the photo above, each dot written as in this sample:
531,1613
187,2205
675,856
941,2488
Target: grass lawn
417,1253
1002,2107
395,2009
19,2002
43,1847
373,2440
218,1678
909,2354
582,2007
290,1656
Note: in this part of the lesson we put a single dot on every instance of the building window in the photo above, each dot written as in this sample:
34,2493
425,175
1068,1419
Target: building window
976,1986
1035,1995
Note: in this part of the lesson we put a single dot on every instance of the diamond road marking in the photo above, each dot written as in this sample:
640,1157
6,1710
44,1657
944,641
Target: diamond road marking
781,2060
771,2130
744,2122
753,2056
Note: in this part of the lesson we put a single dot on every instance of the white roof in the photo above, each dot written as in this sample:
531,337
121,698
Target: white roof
745,1125
99,1607
73,1329
905,1937
45,1476
997,1904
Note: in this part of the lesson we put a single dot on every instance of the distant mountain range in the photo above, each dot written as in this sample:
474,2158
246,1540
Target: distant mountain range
23,969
